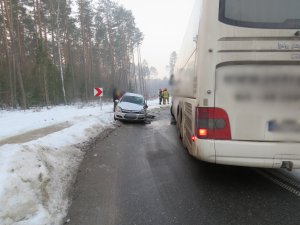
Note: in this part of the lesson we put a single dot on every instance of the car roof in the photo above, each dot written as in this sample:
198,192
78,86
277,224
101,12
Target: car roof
133,94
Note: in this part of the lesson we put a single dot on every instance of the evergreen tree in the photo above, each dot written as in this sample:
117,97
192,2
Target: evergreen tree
49,55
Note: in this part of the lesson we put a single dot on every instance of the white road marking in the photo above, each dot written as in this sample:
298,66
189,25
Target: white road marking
278,182
285,178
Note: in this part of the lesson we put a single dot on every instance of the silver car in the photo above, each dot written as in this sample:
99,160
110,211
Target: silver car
131,107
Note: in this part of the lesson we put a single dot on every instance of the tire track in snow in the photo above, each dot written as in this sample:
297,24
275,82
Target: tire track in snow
35,134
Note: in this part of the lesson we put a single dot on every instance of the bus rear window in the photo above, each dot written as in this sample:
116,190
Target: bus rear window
272,14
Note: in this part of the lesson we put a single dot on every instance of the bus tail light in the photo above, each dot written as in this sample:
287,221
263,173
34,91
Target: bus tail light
203,132
212,123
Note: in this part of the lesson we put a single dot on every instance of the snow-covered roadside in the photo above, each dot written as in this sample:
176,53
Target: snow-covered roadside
18,122
35,176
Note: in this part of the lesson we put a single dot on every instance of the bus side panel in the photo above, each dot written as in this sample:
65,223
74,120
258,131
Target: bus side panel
185,84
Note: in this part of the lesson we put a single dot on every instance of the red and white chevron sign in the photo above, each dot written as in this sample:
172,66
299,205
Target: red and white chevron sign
98,92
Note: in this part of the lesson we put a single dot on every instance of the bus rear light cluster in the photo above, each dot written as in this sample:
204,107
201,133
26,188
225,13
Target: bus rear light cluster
203,132
212,123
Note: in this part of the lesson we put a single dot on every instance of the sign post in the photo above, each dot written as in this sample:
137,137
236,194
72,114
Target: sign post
98,92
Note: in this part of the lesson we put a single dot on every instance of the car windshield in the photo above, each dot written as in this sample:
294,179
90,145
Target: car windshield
277,14
133,99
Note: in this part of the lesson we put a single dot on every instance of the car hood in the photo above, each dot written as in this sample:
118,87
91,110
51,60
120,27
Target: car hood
130,106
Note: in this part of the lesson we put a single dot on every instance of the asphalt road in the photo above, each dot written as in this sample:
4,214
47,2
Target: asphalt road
140,174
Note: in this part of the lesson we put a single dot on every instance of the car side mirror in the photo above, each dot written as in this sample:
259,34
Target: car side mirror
117,101
146,106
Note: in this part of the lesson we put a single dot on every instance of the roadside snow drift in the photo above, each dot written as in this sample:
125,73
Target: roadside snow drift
34,183
35,176
40,152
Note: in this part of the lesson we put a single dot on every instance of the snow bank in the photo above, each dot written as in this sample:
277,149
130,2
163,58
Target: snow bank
35,176
18,122
35,182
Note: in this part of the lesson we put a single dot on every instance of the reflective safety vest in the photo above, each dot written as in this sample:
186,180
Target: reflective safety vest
166,94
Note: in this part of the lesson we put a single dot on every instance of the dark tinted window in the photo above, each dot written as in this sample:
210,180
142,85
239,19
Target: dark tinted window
277,14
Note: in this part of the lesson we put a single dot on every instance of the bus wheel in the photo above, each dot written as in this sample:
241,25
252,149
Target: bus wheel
179,125
171,111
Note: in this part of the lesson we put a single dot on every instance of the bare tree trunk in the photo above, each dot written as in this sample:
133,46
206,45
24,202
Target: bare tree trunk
15,60
70,61
73,74
52,29
44,72
42,66
38,11
90,62
111,50
22,89
83,37
141,80
60,58
46,39
35,23
135,81
19,65
7,52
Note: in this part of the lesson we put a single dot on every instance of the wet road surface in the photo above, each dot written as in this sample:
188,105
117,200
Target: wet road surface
140,174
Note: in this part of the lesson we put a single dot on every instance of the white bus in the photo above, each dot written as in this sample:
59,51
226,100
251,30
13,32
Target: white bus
236,87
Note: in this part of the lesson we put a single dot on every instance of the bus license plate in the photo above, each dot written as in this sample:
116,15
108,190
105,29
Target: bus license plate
289,126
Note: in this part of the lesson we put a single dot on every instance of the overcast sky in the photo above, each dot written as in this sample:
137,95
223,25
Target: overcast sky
163,23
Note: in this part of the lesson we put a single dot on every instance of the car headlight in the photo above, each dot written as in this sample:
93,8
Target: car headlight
142,111
118,109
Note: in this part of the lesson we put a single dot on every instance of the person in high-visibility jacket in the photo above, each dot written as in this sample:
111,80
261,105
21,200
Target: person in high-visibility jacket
166,96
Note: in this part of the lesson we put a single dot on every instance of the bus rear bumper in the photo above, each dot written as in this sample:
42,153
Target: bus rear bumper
258,154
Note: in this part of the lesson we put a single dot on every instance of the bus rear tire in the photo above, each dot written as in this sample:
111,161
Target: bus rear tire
179,125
